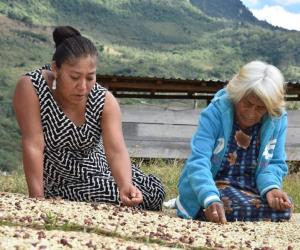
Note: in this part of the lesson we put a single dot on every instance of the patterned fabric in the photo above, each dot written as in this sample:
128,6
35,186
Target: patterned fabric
239,165
75,166
236,183
241,205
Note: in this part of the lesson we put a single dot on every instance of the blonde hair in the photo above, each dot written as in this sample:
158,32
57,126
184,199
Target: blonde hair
263,80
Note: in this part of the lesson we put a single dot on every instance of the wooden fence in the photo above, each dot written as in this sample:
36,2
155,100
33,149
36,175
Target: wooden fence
153,132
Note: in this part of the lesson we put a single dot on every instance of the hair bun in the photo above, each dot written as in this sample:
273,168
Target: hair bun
61,33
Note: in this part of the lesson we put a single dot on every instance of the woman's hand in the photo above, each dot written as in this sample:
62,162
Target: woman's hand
278,200
130,195
215,213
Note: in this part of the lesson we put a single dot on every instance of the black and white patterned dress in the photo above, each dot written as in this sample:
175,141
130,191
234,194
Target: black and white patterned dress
75,166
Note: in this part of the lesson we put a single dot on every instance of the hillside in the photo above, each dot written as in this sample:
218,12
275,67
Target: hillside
171,38
229,9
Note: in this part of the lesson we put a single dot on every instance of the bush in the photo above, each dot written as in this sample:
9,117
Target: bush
20,17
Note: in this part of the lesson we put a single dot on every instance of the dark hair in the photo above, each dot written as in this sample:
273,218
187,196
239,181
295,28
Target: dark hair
70,44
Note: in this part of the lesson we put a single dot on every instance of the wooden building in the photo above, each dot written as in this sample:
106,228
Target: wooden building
153,132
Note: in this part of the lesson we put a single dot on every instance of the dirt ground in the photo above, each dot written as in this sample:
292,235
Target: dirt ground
57,224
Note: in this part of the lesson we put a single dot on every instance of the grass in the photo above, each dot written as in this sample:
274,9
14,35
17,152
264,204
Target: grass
292,186
14,183
167,171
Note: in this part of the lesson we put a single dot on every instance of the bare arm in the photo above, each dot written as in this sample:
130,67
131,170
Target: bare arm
27,109
116,151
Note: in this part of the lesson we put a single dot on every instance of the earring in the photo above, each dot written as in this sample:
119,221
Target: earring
54,84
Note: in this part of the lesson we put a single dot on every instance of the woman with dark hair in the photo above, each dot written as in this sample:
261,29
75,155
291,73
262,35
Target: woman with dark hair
73,146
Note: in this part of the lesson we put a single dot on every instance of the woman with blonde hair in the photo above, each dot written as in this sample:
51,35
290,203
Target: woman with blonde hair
237,162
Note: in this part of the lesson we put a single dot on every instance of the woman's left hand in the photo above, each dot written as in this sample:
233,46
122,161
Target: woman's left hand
278,200
130,195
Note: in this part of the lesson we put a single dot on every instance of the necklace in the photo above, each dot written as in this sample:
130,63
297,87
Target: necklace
242,139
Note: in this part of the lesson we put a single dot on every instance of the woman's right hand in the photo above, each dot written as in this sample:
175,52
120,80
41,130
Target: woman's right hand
131,195
215,213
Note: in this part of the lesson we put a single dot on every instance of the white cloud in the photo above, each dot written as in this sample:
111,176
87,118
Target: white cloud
252,1
286,2
278,16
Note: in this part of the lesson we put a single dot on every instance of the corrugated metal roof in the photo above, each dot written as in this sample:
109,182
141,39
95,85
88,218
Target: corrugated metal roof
146,78
155,87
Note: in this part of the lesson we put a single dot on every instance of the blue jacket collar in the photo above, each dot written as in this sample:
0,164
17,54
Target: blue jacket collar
223,102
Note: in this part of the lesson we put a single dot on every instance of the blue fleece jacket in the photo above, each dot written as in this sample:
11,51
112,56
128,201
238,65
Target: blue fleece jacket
196,185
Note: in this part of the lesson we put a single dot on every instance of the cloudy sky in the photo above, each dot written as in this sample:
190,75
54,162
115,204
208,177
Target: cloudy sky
283,13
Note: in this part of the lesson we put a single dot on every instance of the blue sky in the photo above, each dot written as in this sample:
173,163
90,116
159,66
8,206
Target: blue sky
283,13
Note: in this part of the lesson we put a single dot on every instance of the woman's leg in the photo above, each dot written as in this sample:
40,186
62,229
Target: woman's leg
241,205
151,188
104,189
